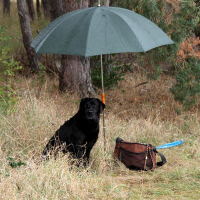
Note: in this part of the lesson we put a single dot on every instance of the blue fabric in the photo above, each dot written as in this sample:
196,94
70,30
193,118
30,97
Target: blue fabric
169,145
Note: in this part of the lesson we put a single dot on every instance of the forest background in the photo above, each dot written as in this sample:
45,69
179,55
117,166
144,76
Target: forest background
151,98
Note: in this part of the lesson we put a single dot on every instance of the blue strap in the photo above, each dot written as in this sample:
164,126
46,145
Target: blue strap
169,145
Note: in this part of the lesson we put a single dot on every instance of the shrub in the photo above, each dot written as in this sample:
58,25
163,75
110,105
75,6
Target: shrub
8,66
180,20
113,72
187,87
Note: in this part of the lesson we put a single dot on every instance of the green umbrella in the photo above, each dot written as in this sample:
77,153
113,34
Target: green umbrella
99,30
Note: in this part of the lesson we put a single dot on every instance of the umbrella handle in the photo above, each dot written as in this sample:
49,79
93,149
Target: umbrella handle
104,126
103,101
103,98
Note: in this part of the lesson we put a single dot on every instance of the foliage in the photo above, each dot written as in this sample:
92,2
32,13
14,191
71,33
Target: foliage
187,87
155,73
40,79
114,72
179,19
176,18
197,29
188,48
15,164
7,72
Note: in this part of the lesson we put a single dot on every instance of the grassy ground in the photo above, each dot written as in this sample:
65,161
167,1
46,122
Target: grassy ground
146,113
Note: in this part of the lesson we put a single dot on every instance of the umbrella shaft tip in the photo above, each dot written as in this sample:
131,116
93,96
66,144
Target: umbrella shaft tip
99,3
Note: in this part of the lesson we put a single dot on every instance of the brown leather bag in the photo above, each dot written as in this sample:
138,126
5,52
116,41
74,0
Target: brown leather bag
137,156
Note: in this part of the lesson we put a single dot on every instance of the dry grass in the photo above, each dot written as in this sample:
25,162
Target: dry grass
146,113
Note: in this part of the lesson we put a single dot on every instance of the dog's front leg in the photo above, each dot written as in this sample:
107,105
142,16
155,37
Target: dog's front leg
88,155
80,155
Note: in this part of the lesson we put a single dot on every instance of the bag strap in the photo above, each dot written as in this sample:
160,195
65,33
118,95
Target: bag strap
164,160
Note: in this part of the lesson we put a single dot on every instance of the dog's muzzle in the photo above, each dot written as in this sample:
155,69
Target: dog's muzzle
90,114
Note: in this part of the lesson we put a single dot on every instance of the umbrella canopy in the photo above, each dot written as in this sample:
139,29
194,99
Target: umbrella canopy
99,30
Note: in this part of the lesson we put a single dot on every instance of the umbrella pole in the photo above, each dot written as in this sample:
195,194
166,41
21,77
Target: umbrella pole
103,100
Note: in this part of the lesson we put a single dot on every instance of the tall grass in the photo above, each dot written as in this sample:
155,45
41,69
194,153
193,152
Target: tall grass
145,113
130,114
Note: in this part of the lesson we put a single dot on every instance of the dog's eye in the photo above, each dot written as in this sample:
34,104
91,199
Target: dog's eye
93,104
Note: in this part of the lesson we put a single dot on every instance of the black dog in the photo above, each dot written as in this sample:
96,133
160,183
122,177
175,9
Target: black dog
79,134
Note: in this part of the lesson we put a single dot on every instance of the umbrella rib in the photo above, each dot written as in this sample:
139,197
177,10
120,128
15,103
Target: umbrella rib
88,35
129,27
141,27
38,42
88,32
125,22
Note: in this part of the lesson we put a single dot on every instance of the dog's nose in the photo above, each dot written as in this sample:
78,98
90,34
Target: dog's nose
90,112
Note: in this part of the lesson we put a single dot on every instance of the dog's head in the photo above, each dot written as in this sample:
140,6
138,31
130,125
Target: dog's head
91,108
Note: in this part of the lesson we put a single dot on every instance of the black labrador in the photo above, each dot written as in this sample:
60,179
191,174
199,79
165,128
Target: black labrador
79,134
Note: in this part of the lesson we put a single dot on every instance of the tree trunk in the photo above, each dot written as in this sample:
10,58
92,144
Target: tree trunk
102,3
56,9
6,6
111,2
107,3
92,3
75,74
75,4
27,34
31,9
46,6
38,9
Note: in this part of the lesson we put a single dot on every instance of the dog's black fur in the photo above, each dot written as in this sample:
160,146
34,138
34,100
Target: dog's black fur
79,134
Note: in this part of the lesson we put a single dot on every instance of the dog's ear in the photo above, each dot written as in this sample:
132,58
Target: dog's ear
101,106
82,103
